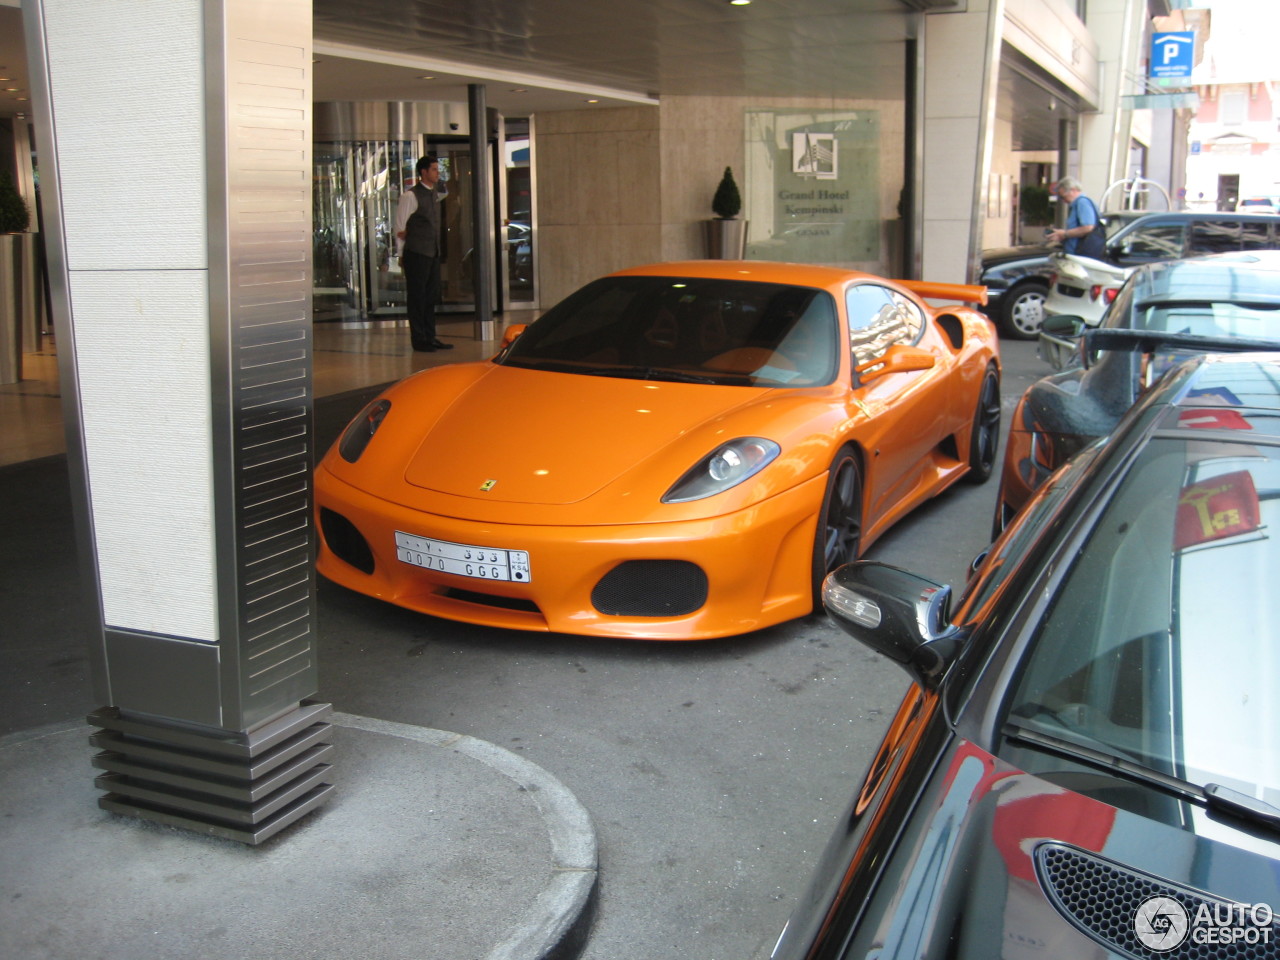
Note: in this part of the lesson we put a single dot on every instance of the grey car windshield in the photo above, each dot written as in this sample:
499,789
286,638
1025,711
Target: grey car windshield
728,332
1210,318
1162,646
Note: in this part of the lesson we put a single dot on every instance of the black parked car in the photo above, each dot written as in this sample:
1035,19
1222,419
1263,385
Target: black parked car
1087,763
1165,311
1017,278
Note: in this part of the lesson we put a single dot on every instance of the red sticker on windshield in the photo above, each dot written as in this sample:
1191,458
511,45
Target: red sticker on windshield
1224,506
1211,419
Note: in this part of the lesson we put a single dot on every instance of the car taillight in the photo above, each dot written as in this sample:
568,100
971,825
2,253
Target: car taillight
1108,294
1111,294
1053,280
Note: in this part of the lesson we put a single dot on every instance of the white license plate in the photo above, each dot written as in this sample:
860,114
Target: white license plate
482,563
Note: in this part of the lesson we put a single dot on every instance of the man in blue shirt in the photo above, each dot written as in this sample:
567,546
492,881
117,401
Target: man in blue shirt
1079,235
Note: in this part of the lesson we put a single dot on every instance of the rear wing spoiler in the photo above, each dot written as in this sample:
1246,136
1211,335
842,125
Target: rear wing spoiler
1146,341
963,292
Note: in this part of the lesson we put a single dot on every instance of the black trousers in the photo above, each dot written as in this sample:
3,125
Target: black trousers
422,289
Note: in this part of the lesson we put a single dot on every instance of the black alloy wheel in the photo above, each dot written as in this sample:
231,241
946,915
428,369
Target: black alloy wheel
1022,310
839,533
984,434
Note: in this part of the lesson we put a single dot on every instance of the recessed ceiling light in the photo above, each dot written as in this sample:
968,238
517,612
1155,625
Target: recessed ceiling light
592,100
739,3
426,78
519,90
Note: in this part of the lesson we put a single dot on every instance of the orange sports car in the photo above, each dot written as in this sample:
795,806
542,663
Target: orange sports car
675,452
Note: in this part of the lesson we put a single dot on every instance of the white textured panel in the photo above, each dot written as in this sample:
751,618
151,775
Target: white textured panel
951,149
142,346
944,252
128,81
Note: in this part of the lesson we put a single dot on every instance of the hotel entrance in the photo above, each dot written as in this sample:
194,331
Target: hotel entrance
357,184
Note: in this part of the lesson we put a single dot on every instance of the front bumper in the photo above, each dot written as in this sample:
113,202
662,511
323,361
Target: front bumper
757,565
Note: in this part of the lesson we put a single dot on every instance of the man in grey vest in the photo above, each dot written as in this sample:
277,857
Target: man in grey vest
418,235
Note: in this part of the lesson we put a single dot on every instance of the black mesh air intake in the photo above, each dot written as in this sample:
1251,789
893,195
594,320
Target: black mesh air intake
651,588
346,542
1102,899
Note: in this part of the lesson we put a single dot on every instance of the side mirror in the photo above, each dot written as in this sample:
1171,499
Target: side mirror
1060,340
1062,325
897,614
897,359
510,334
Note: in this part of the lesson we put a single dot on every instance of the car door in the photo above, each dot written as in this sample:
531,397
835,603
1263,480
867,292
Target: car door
908,410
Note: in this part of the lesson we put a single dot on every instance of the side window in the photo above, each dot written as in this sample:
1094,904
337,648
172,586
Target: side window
1215,236
1159,241
1254,236
879,318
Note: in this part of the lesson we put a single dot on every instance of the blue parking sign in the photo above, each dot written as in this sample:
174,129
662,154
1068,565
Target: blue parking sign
1172,55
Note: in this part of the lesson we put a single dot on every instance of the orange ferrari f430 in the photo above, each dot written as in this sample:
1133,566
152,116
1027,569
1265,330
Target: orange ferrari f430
674,452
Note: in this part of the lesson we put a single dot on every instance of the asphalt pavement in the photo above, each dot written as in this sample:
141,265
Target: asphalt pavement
537,794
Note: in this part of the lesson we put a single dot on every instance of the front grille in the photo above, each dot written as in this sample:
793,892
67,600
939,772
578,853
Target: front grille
1101,898
347,543
651,588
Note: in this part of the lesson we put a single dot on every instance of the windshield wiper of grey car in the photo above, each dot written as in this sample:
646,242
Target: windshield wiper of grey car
1213,796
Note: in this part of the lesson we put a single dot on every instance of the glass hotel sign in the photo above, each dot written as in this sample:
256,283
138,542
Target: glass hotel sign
813,181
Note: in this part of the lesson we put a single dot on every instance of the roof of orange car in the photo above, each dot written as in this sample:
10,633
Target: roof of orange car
799,274
768,271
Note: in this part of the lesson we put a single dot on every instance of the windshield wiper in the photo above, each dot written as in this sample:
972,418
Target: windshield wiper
647,373
1213,796
1242,805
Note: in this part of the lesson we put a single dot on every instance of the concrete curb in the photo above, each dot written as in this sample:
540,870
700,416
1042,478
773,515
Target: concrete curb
573,839
546,925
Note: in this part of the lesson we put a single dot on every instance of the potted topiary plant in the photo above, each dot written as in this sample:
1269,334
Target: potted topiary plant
726,234
14,215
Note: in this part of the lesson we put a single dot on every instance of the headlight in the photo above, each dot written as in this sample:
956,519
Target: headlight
361,430
725,467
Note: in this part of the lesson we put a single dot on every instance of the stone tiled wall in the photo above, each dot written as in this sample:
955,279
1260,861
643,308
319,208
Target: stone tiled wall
620,187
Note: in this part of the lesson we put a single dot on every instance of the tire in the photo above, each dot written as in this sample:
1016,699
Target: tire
838,539
1022,310
984,433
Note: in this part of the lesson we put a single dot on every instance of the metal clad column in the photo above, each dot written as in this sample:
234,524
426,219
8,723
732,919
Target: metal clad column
482,212
179,138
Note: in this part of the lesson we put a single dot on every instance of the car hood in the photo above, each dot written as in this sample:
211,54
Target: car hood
1001,863
528,436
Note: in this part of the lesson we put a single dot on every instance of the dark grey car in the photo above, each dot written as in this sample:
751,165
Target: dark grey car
1164,311
1087,763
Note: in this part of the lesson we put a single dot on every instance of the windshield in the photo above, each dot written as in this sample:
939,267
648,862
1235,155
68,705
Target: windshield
1162,645
729,332
1204,318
